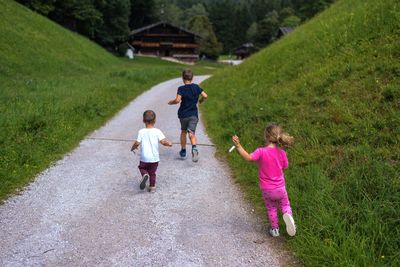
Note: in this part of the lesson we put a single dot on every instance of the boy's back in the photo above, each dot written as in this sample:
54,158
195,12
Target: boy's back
190,95
149,139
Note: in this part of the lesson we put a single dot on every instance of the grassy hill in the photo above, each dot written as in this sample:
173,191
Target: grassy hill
56,87
334,84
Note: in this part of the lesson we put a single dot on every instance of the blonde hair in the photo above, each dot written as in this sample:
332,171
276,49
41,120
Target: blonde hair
275,134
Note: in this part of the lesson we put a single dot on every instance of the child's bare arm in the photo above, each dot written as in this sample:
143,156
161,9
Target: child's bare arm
203,96
135,145
166,142
242,152
177,100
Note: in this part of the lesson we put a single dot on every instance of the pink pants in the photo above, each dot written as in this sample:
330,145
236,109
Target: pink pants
273,198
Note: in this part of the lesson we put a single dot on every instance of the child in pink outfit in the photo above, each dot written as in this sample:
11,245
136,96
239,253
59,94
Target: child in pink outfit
272,161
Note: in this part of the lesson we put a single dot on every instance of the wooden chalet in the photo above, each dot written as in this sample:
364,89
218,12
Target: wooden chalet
244,51
165,40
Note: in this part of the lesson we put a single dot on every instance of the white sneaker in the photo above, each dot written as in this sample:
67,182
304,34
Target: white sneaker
290,226
274,232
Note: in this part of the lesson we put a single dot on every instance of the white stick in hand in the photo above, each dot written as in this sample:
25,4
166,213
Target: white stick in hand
231,149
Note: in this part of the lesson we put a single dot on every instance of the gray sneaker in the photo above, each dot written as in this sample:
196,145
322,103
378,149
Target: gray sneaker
144,180
195,155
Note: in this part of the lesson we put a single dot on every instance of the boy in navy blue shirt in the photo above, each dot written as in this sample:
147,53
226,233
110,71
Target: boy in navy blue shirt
188,95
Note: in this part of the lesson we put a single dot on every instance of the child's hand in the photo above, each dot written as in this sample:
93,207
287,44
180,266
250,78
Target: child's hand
134,146
166,142
236,140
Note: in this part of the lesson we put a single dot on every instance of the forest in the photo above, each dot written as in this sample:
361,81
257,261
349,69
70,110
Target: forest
223,24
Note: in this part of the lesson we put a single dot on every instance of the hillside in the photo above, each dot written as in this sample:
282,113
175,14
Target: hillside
56,87
334,84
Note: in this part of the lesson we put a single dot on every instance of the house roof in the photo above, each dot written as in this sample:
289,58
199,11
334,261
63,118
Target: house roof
244,46
285,30
133,32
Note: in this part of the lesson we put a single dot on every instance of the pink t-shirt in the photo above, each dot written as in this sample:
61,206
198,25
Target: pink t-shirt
271,163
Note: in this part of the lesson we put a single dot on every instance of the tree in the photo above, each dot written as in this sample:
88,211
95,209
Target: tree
260,8
172,14
78,15
251,33
291,21
114,28
222,14
307,9
209,45
267,29
143,12
241,24
286,12
43,7
193,11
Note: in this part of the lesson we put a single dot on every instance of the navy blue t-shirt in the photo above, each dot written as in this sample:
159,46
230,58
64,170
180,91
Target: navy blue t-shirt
190,96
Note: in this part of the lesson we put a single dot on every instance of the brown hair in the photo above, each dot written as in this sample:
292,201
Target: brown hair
275,134
187,75
149,116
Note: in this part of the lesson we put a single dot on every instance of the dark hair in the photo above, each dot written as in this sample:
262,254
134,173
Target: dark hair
187,75
149,116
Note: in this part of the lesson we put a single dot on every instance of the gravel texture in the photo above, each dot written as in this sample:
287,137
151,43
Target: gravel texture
88,210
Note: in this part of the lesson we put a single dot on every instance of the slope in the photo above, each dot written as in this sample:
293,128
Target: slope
334,84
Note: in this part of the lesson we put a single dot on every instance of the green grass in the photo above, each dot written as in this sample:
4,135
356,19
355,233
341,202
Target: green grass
56,87
334,84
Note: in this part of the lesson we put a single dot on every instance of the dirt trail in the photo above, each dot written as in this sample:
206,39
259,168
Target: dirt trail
88,210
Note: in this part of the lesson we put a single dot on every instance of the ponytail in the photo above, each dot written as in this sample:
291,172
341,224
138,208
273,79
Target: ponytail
274,134
285,140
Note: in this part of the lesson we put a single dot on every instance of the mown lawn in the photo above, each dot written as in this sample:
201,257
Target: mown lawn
334,84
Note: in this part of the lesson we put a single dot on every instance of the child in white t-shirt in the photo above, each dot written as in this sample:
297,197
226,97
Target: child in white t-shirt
148,139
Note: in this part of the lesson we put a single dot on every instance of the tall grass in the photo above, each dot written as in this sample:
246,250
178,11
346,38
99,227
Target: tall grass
334,84
55,88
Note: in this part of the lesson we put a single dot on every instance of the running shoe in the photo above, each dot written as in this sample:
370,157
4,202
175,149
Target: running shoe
290,226
274,232
195,155
145,177
152,189
182,153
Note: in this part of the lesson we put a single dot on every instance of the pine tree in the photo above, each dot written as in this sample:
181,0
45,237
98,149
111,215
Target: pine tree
209,45
43,7
114,29
267,29
143,12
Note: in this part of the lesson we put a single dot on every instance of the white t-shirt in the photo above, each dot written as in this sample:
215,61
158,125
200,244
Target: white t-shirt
149,138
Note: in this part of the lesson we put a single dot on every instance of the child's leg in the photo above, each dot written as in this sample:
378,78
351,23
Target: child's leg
142,168
183,139
152,173
184,127
284,201
191,128
272,210
286,211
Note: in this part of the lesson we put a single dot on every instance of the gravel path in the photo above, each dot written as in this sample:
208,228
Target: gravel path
88,210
